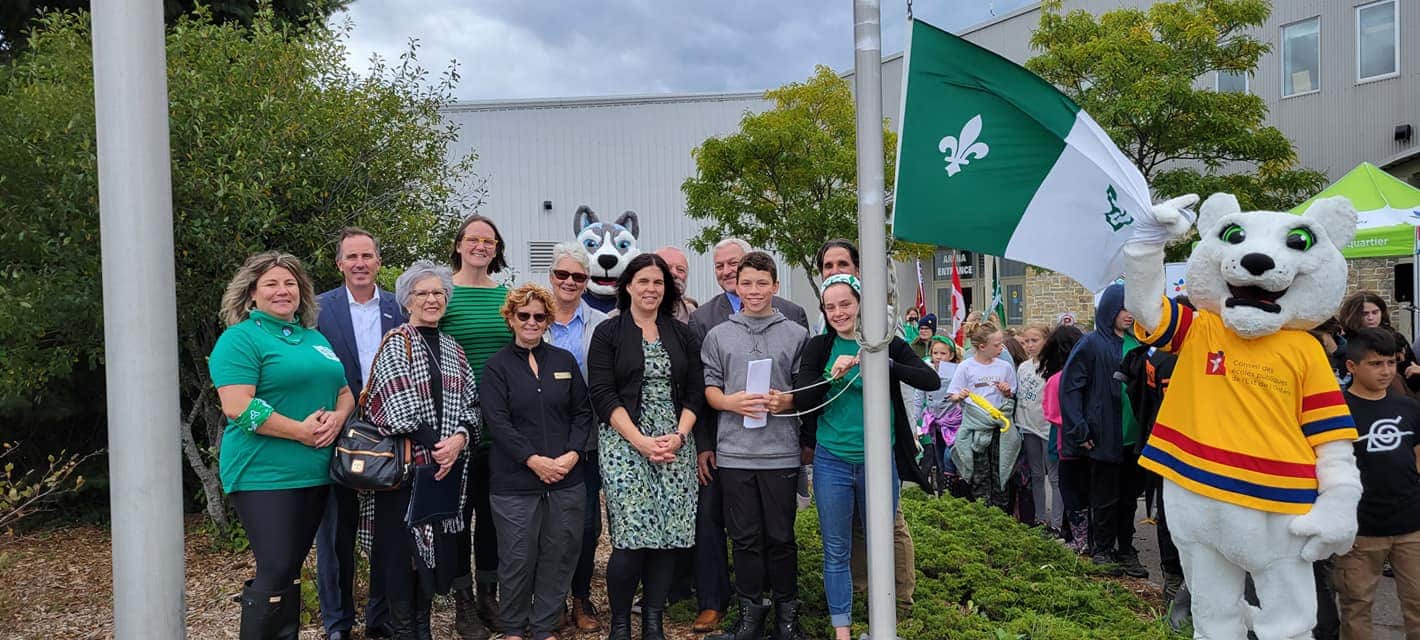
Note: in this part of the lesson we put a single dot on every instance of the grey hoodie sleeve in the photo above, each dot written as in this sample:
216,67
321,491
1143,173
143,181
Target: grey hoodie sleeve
710,359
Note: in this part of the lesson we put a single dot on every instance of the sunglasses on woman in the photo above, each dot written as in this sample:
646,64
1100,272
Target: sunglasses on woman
578,278
524,316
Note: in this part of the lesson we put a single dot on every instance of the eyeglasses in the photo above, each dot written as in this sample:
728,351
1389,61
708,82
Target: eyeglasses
578,278
433,293
475,241
524,316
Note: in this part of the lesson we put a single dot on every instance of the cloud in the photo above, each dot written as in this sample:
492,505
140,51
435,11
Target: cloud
611,47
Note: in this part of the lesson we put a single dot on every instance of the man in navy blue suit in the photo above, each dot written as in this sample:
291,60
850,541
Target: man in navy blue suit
353,317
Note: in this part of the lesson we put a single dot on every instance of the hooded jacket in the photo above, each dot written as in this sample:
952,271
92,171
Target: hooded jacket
1090,395
726,353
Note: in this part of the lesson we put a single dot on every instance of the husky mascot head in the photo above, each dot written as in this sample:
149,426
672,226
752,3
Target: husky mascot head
610,245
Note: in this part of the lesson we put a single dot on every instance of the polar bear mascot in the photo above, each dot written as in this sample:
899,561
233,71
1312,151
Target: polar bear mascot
1253,440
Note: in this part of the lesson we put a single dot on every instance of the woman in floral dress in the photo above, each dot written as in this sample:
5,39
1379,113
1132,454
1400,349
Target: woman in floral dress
646,381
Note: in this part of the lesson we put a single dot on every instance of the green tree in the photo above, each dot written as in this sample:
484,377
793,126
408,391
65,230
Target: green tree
275,145
1146,76
16,16
788,180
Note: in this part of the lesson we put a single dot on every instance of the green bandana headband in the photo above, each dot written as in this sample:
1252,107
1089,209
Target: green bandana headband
841,278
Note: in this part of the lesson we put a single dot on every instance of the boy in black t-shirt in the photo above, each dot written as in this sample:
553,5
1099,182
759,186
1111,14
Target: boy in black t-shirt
1388,454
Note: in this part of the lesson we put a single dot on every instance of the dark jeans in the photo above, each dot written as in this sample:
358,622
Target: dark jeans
591,527
335,566
760,506
1075,490
712,564
280,526
650,569
484,552
1114,496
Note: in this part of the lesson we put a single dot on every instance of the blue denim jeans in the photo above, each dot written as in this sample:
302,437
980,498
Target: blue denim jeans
839,492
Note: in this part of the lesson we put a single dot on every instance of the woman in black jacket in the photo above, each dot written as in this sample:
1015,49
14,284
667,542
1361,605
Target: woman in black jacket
535,404
838,432
648,384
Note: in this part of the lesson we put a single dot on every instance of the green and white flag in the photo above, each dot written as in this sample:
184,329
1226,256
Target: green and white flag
993,159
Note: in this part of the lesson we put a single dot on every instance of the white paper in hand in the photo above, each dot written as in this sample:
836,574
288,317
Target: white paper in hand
757,381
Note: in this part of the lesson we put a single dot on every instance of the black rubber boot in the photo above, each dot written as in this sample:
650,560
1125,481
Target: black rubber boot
750,625
488,604
289,625
255,610
651,623
270,616
786,621
466,623
423,609
620,626
402,625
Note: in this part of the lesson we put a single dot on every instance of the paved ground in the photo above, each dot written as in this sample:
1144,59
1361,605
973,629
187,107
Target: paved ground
1385,615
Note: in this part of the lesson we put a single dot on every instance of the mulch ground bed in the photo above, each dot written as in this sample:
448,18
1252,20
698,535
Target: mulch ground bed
58,585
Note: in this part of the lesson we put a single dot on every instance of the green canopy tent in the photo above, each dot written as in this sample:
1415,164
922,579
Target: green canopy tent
1388,219
1388,212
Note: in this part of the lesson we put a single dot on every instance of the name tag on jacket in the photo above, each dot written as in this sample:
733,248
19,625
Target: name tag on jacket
562,375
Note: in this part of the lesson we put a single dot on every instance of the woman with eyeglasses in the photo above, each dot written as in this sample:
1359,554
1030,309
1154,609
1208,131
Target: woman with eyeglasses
421,388
535,406
570,328
648,384
474,320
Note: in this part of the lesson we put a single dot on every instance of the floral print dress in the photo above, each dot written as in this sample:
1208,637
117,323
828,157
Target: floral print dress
650,506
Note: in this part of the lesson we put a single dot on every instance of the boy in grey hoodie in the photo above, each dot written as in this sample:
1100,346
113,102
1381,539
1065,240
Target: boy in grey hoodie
759,466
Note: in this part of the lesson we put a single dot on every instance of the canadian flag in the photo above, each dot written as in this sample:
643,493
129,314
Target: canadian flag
958,305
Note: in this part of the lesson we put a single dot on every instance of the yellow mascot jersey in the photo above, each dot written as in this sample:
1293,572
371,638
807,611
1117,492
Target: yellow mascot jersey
1241,417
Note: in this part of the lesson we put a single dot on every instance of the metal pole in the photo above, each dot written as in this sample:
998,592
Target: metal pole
867,84
140,318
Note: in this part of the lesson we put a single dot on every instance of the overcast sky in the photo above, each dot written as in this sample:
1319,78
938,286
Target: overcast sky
563,48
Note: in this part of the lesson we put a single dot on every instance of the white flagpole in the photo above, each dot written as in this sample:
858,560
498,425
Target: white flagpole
878,522
140,318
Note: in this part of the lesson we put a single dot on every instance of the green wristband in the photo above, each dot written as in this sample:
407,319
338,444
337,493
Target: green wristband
253,416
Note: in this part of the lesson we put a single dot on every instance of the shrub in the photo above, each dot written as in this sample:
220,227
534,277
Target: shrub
982,575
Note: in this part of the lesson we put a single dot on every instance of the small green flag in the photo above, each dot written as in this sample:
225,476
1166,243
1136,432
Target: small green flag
996,160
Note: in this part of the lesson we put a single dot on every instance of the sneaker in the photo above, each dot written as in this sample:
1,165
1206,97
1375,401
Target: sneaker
1130,565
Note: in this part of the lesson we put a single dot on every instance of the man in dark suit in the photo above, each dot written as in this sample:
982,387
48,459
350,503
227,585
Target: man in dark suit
711,567
353,317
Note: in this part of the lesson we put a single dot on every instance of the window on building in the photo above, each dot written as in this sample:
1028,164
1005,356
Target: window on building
1377,44
1231,82
1301,57
1012,269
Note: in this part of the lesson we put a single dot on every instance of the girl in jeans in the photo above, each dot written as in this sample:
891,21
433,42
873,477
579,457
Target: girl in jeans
838,457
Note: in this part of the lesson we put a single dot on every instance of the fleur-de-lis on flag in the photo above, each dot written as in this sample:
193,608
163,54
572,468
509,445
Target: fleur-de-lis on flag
960,150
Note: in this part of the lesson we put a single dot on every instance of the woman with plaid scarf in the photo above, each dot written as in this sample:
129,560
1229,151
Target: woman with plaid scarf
440,414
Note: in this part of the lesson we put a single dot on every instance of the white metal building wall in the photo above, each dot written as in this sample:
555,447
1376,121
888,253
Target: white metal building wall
612,154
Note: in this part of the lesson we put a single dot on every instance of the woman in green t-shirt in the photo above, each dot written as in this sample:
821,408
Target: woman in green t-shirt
474,319
839,458
285,396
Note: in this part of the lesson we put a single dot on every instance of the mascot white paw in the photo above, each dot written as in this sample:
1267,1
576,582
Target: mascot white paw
1253,439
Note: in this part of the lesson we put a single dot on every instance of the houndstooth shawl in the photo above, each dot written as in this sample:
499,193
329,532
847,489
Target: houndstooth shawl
398,399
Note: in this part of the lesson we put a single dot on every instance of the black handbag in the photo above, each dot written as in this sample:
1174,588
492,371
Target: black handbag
365,459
